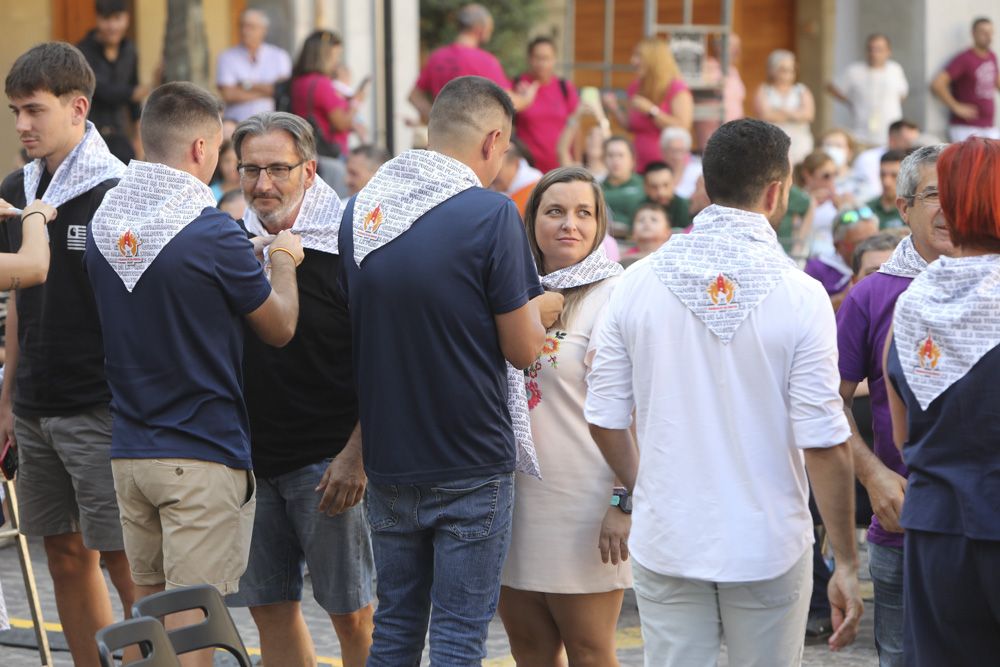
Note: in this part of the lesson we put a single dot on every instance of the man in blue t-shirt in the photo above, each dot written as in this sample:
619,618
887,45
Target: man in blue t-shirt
442,292
174,279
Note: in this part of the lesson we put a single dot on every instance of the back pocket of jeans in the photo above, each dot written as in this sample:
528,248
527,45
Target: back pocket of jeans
468,510
380,506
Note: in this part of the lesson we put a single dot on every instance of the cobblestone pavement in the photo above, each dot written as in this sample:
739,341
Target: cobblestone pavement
629,638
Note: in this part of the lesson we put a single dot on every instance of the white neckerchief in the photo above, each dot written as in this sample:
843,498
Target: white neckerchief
317,222
143,213
594,267
89,164
724,268
400,192
946,321
835,261
905,261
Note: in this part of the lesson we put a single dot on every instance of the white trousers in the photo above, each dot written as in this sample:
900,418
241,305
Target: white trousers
962,132
685,620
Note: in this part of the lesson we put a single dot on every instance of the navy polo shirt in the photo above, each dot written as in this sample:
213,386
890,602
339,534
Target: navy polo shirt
431,377
951,453
174,345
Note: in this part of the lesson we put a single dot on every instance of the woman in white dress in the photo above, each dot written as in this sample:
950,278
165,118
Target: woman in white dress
787,104
566,570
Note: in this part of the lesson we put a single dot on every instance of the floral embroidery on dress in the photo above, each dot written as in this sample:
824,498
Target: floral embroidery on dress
548,354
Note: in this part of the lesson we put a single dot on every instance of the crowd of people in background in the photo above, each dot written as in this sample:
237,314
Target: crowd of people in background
257,403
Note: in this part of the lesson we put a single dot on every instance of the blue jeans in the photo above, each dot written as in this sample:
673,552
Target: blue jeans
886,566
439,546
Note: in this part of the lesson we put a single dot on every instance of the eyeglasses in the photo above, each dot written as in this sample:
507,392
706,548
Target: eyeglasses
856,215
928,197
276,172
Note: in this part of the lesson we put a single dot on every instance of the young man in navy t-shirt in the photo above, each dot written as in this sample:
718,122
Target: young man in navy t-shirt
442,293
174,279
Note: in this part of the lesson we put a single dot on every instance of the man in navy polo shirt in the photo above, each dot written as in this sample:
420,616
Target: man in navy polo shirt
174,278
441,289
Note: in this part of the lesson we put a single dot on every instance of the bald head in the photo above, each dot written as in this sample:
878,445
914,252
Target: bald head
467,109
473,16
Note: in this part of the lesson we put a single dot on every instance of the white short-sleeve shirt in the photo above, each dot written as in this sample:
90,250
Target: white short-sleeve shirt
721,493
876,96
235,67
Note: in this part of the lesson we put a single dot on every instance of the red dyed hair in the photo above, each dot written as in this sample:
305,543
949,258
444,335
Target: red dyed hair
969,184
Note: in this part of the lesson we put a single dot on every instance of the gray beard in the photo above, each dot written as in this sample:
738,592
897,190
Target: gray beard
274,221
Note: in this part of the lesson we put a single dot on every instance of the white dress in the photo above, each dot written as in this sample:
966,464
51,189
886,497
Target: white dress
557,520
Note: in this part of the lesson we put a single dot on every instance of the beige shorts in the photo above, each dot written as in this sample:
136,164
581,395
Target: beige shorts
185,521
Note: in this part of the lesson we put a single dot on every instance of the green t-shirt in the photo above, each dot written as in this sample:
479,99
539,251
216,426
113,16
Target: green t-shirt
679,212
798,205
887,218
624,199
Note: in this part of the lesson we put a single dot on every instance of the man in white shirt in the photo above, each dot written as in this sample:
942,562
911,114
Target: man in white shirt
247,72
727,354
903,136
873,90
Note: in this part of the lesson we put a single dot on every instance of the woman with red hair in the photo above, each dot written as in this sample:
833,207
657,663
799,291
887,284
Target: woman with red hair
943,361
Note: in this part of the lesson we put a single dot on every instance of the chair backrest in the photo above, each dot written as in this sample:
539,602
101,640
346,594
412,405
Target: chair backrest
147,633
217,630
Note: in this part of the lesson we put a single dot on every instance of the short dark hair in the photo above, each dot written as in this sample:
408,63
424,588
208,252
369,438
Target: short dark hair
902,124
978,20
892,156
653,206
881,241
173,112
622,138
541,39
656,166
55,67
106,8
741,158
376,155
464,101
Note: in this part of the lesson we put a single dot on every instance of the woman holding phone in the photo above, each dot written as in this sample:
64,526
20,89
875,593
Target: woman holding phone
566,569
539,124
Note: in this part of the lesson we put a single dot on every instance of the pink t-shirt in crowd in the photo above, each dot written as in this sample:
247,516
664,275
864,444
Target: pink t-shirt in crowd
645,131
455,60
974,81
325,99
540,124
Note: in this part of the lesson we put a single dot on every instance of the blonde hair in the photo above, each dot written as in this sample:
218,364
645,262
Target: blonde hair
572,295
660,68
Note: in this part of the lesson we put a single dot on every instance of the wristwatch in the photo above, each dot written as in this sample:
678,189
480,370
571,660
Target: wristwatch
622,499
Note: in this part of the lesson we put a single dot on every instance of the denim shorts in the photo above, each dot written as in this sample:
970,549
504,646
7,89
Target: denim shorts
290,532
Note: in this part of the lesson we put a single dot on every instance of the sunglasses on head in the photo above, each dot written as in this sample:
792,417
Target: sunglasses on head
856,215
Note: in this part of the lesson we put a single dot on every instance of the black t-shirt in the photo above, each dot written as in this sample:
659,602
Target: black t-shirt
60,368
301,397
116,81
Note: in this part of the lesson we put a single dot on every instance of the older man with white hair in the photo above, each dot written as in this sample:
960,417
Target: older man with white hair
247,72
675,146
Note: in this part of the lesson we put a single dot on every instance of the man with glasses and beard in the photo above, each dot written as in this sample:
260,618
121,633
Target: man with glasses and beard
304,431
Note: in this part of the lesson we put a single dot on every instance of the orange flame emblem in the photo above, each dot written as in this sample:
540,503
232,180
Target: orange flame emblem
928,353
373,220
721,290
128,244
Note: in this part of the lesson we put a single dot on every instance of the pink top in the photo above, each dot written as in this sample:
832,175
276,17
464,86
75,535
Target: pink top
455,60
540,124
325,99
646,132
974,81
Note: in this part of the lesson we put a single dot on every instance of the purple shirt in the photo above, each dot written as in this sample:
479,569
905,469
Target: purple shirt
974,81
834,280
863,323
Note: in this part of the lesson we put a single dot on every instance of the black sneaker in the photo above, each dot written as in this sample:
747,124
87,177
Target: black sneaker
819,625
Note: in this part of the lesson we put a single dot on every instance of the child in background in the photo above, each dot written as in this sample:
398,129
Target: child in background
343,84
650,230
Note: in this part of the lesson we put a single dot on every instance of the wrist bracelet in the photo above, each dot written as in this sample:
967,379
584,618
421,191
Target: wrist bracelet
25,216
286,251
